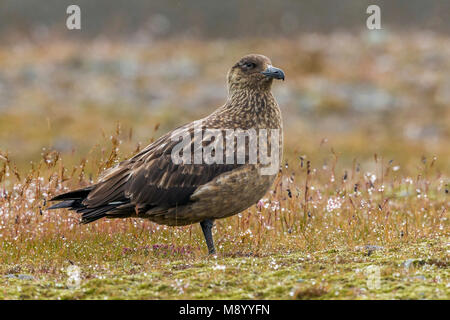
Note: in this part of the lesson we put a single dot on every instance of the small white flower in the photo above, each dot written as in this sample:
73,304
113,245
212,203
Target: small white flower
333,204
219,267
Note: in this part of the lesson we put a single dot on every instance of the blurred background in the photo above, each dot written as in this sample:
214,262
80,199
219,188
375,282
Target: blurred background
153,65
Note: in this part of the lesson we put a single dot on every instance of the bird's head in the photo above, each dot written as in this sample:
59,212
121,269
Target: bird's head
253,71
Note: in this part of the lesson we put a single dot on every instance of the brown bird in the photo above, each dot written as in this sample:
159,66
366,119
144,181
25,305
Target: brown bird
161,185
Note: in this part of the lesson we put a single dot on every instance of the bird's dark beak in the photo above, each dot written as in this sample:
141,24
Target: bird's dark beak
273,72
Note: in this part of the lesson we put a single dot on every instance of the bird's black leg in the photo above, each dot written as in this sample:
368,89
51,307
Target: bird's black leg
206,227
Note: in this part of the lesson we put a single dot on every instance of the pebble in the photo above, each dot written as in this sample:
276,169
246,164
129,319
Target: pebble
19,276
408,263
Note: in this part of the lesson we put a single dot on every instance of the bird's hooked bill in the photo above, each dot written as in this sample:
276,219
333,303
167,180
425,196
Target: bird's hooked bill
273,72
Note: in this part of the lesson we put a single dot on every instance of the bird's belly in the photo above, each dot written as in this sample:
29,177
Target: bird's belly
227,195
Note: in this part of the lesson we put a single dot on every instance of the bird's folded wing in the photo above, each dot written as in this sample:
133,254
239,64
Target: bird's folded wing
152,179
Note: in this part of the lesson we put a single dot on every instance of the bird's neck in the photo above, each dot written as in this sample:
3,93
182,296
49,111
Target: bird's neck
248,109
251,100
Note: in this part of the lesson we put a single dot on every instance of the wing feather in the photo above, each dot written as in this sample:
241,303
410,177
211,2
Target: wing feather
151,179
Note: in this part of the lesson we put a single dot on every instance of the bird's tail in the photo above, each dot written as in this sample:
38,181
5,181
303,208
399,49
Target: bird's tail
73,200
73,195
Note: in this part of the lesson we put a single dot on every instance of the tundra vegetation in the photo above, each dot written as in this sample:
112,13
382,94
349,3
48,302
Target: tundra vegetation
359,209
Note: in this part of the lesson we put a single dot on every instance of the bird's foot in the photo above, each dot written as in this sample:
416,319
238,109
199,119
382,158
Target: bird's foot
206,228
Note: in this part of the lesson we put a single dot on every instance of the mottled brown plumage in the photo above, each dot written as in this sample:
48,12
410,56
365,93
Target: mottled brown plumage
151,186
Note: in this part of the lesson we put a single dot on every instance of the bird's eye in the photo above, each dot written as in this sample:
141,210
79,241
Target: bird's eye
249,65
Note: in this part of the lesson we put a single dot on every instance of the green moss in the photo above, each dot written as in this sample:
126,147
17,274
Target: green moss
291,276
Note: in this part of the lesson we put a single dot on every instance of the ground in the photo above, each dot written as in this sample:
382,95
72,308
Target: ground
401,272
